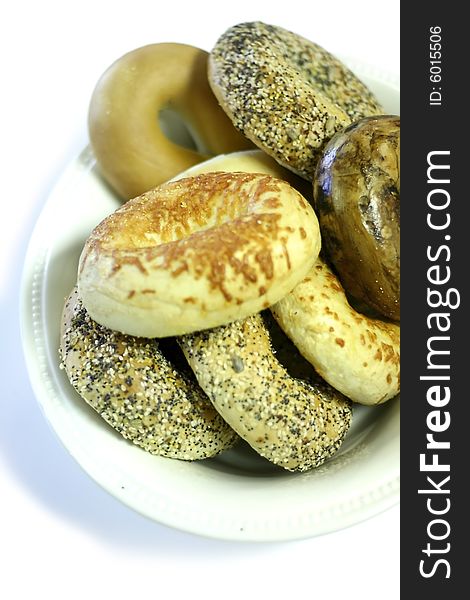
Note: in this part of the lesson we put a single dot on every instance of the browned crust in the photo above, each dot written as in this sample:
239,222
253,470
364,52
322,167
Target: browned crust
167,229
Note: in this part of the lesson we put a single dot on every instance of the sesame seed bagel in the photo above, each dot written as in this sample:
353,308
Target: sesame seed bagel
285,93
291,422
137,391
197,253
357,355
152,114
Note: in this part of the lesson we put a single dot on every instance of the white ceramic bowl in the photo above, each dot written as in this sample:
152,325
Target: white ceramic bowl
238,495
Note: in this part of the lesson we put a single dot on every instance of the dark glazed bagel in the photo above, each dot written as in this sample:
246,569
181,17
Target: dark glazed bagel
357,199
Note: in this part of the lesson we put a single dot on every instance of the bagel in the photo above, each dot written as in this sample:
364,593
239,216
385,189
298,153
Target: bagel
197,253
137,391
317,344
356,354
285,93
146,94
357,200
249,161
293,423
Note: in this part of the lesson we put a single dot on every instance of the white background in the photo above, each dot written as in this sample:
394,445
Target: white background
62,536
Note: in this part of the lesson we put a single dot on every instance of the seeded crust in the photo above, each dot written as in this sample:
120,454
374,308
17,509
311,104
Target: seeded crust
197,253
285,93
137,391
357,355
291,422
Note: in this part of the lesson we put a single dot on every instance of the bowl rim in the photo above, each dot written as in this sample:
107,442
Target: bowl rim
33,299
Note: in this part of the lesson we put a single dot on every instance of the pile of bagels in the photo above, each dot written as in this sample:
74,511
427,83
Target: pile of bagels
248,286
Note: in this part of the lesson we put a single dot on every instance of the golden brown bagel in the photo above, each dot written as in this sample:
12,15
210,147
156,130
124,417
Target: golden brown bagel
293,423
313,334
139,101
197,253
137,391
357,355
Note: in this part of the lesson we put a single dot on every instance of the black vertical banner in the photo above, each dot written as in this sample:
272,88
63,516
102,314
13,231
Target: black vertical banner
435,253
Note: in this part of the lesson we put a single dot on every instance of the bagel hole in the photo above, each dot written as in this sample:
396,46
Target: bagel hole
286,352
172,352
176,129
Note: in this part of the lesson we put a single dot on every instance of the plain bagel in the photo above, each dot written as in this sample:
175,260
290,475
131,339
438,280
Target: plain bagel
293,423
138,391
357,355
285,93
249,161
197,253
149,105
